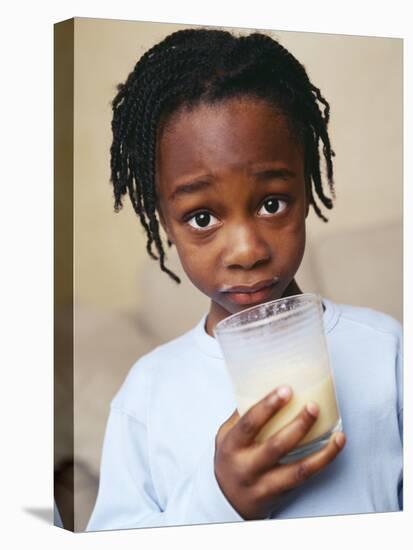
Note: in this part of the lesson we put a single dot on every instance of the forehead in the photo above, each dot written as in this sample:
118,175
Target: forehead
231,134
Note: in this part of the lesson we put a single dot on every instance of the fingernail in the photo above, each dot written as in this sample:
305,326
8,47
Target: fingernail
312,408
284,392
340,440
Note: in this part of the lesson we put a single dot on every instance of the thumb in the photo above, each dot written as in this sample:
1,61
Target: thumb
226,426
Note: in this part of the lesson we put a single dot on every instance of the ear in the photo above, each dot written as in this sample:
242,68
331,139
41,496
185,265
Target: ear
307,208
308,184
307,171
307,200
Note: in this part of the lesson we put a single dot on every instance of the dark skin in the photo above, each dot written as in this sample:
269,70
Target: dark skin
233,200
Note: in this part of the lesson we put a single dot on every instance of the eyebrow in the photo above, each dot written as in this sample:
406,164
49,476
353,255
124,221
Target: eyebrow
261,175
190,187
274,173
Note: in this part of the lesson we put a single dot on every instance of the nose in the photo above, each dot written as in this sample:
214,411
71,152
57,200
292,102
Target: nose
245,247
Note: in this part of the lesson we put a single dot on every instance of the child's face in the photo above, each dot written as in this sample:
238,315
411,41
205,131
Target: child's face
232,198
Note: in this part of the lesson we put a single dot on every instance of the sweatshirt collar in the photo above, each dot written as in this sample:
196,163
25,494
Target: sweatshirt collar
209,345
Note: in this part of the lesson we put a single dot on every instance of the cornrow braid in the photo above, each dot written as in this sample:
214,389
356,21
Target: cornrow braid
208,65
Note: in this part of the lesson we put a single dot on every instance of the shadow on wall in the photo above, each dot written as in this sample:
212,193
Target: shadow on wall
363,267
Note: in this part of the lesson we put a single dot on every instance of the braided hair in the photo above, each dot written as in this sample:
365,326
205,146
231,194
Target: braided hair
205,65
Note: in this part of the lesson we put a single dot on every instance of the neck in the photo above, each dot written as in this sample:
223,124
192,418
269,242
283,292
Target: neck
292,289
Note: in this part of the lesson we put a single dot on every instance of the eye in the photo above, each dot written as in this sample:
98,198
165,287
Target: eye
272,206
202,220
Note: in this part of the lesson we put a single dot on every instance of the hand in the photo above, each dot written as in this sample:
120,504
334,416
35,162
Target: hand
249,473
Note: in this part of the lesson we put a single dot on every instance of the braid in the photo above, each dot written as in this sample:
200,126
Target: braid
195,65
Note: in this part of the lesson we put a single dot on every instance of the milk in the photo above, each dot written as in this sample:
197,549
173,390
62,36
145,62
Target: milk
276,343
308,384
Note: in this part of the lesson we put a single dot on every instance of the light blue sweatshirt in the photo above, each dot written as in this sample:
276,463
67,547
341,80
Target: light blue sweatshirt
157,463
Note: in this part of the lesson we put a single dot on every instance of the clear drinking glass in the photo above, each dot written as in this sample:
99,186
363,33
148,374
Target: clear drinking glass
277,343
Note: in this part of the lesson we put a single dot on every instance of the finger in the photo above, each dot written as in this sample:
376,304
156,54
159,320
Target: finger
286,439
248,426
288,476
226,426
232,420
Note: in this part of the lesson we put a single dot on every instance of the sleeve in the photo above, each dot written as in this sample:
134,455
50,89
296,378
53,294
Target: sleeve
127,496
399,381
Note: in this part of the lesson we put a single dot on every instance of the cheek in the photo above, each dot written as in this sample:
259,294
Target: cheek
300,246
196,261
291,246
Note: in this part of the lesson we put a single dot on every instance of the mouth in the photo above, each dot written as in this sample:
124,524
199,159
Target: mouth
250,294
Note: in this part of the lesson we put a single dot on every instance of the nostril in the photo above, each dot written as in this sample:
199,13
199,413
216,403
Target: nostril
245,247
245,263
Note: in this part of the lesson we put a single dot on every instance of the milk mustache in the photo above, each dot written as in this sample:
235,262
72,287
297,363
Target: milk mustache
309,383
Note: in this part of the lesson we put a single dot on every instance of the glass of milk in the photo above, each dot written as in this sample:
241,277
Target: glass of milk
277,343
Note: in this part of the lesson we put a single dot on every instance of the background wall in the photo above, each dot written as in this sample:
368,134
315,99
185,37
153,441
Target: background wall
124,303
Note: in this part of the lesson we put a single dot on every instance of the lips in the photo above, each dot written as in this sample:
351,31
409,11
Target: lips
250,294
248,289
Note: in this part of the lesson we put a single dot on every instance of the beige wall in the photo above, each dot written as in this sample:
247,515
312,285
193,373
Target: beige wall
125,304
360,76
